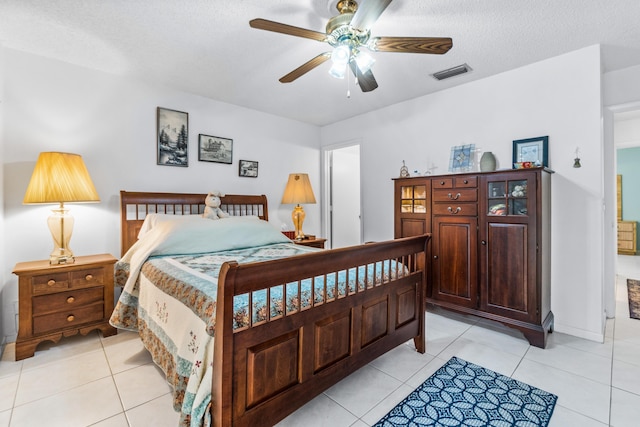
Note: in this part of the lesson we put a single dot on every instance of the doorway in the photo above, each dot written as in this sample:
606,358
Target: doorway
343,219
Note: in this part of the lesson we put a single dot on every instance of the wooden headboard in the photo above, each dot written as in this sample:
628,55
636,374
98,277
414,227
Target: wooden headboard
134,207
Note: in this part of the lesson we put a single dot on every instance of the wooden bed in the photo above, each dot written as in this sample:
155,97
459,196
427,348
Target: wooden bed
264,372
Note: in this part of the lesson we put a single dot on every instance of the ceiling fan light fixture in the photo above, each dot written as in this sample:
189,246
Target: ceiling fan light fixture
364,61
338,70
341,55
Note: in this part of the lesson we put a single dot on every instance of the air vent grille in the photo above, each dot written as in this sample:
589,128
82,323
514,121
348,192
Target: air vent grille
451,72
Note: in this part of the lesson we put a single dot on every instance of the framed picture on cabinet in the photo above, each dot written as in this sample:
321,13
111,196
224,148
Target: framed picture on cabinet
461,158
532,151
248,168
173,137
215,149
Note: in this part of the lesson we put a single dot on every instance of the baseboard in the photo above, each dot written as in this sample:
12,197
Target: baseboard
577,332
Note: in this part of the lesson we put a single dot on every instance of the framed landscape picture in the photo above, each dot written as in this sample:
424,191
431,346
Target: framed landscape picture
173,137
248,168
215,149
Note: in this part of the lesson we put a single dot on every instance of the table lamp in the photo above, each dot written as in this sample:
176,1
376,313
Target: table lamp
298,190
60,178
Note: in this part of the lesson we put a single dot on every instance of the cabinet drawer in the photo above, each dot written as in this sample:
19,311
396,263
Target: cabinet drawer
48,283
460,209
65,301
89,277
68,318
455,195
455,182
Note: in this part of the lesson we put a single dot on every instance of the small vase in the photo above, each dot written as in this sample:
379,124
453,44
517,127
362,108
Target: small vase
487,162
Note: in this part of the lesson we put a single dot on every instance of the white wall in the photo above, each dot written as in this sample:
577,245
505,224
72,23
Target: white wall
559,97
111,122
5,316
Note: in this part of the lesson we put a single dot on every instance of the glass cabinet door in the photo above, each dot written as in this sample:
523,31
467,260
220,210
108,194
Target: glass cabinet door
413,198
507,197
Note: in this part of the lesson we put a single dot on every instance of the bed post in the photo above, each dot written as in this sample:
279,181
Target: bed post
222,387
420,340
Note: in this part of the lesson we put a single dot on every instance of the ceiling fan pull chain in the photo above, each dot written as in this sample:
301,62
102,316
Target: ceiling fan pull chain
348,86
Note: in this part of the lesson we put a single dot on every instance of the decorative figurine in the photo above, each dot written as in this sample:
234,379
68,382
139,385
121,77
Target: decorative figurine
404,171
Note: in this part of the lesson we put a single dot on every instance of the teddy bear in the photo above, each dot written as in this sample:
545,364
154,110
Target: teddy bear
212,206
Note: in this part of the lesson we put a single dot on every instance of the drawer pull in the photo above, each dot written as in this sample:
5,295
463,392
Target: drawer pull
71,300
452,197
88,277
451,210
71,318
51,282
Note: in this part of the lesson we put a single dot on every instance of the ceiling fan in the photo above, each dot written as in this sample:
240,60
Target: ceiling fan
348,33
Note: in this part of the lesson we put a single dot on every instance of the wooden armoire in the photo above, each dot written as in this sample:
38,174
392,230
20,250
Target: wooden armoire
490,250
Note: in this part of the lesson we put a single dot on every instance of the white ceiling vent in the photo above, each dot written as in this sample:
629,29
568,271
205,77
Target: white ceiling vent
451,72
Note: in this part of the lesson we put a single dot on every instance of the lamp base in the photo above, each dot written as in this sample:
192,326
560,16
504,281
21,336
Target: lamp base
297,216
61,225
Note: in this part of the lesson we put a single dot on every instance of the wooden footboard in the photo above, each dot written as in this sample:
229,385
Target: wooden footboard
268,369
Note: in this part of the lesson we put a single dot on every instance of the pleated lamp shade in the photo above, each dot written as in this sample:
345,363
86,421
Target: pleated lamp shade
298,190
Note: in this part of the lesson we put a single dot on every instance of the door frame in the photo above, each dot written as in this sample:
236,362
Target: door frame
325,166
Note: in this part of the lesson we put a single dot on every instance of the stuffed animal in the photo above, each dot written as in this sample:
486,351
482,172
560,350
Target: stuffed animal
212,206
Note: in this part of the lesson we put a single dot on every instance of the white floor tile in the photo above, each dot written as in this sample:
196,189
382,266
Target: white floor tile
626,376
8,365
81,406
563,417
383,408
423,374
119,420
157,412
625,408
320,412
49,352
50,378
5,417
349,393
575,392
125,351
505,339
402,362
583,363
488,357
8,388
140,385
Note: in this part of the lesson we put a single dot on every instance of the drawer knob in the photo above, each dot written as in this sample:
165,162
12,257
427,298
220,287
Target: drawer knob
452,197
435,257
71,300
484,242
71,318
88,277
441,182
454,211
466,181
51,282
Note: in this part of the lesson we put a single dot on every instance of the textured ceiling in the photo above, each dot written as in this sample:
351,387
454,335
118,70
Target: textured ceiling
206,47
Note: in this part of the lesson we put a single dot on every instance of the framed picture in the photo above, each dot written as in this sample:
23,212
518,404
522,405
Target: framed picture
215,149
532,150
461,159
248,168
173,137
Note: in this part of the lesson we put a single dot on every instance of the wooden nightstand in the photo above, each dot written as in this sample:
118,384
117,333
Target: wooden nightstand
314,242
63,300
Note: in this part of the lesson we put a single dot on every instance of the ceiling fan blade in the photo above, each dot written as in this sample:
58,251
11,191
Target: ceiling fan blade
368,13
305,68
433,45
366,81
263,24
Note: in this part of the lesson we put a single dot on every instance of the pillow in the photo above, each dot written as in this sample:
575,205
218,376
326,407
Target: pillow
189,237
153,219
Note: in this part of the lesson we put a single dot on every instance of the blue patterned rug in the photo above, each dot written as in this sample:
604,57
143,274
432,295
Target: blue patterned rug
463,394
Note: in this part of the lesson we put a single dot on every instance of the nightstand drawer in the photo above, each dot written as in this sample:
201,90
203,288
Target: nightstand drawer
65,301
87,277
69,318
48,283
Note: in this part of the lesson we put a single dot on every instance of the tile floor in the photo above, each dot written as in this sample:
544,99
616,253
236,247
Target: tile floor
91,381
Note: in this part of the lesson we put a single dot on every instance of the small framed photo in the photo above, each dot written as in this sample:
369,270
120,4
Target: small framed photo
461,158
215,149
173,137
531,151
248,168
